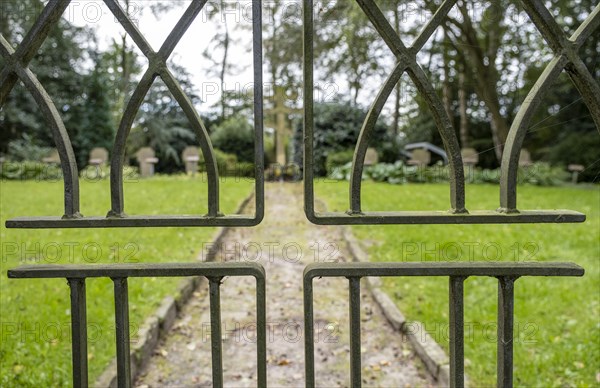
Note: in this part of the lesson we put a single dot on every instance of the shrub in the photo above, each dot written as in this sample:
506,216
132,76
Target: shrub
391,173
25,149
338,159
229,166
337,127
235,136
28,170
245,169
539,174
288,173
96,173
543,174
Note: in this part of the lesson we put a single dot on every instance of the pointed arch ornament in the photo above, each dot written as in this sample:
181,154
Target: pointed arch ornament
17,69
566,58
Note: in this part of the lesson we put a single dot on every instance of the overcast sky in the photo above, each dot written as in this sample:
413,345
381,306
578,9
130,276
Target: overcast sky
189,51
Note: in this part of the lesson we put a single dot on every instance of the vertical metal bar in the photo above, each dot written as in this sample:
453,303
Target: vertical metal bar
79,332
518,130
457,332
31,43
118,150
122,332
261,335
210,159
259,159
215,331
355,361
309,334
506,294
425,87
309,199
366,133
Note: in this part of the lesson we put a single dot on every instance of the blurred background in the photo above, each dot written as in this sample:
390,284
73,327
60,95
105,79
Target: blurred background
482,61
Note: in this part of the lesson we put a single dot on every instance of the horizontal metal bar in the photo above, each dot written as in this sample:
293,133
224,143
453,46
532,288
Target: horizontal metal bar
132,222
446,217
494,269
137,270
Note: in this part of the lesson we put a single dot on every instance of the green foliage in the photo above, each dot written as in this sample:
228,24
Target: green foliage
353,47
229,166
543,174
25,148
29,170
163,126
338,159
59,66
96,173
235,136
539,174
96,127
42,358
337,126
244,169
38,171
287,173
556,319
227,163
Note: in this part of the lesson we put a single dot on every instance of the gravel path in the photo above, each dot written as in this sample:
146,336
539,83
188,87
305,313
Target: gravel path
284,243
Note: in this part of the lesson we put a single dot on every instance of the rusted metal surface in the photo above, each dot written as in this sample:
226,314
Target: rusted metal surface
17,68
506,273
566,58
119,273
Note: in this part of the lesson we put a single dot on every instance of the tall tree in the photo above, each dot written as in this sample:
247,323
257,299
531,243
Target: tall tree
162,124
59,66
352,47
222,41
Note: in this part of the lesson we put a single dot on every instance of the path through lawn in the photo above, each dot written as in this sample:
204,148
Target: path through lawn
278,244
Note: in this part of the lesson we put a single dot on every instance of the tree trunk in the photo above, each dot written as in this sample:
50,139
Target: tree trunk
224,65
446,89
462,101
398,96
486,75
125,62
396,116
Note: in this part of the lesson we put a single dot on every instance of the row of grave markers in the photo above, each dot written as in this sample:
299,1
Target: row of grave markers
420,157
146,158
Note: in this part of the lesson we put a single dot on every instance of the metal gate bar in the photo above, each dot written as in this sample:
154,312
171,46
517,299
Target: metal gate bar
505,272
566,57
214,272
17,62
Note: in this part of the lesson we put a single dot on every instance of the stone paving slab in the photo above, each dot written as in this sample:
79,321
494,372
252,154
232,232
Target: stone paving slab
284,244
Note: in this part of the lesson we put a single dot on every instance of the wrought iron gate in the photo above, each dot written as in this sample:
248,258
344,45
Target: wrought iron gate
566,57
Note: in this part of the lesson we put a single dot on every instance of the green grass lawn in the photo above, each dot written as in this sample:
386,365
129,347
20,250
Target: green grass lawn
557,320
35,343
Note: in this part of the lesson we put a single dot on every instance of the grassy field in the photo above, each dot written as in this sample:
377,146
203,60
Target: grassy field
35,318
557,320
